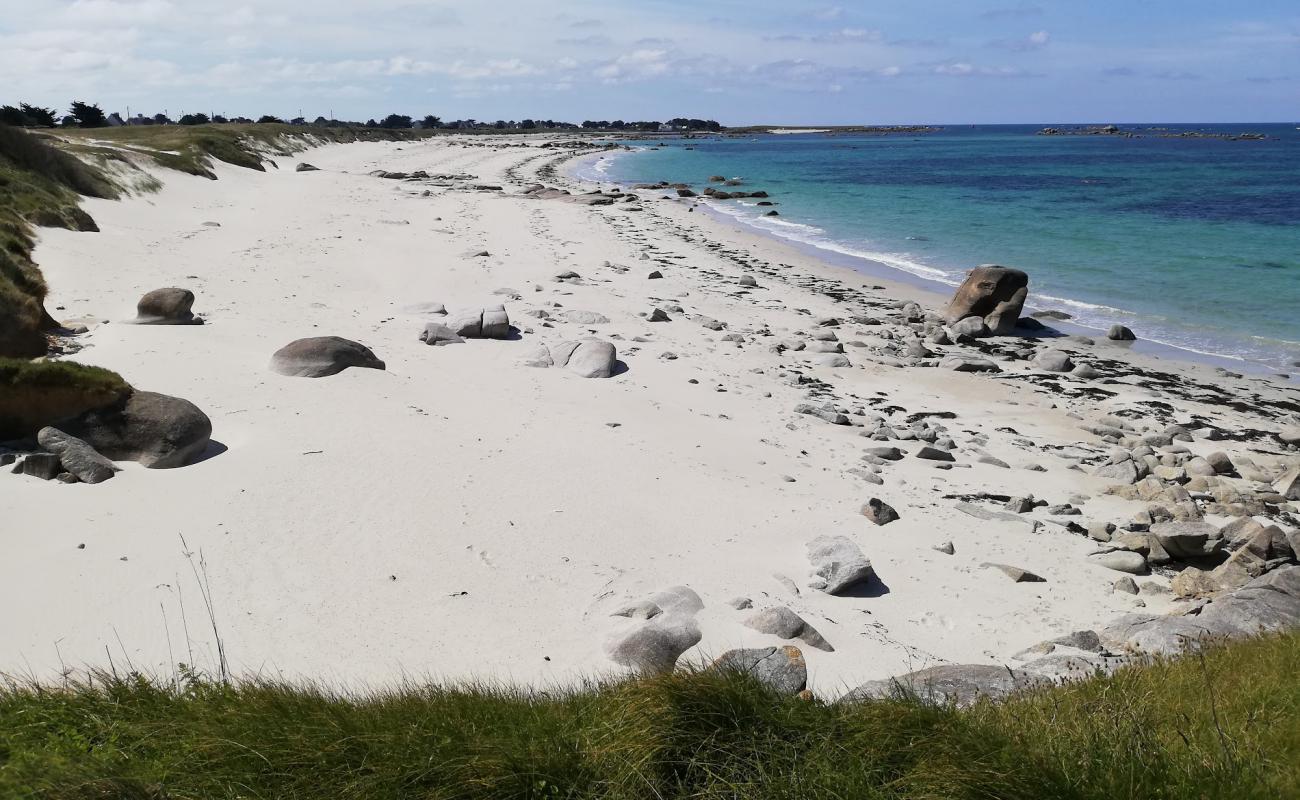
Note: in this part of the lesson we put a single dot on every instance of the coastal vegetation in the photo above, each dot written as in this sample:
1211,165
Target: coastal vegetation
39,185
44,172
36,393
1221,724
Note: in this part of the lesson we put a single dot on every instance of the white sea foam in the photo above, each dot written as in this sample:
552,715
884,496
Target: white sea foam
813,236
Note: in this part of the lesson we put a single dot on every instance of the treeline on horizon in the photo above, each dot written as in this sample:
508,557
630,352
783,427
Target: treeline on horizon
90,115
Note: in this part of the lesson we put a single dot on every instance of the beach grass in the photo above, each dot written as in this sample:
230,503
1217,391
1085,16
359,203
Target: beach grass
37,393
39,184
43,175
1223,724
192,148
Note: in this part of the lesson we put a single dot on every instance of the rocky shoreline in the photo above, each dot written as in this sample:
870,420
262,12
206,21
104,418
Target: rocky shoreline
838,464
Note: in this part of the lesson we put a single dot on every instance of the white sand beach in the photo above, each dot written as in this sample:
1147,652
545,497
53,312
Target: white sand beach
460,515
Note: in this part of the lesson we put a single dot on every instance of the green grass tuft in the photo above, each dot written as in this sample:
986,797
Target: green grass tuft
1221,725
34,394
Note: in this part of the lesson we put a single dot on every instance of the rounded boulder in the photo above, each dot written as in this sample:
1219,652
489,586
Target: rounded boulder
170,306
321,356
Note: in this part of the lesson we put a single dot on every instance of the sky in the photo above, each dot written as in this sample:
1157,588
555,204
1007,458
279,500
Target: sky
737,61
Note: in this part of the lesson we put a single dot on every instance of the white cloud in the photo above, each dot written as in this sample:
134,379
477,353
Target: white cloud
1034,41
117,13
965,69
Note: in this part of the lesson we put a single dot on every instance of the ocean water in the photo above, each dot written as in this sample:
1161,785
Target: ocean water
1193,243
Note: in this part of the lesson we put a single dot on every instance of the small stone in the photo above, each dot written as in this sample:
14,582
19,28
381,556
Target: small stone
1015,573
45,466
934,454
1121,561
1126,585
784,623
879,512
946,548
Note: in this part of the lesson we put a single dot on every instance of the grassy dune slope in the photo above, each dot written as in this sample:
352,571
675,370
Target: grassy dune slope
1225,725
43,174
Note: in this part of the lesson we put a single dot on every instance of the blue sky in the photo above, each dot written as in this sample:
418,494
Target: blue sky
738,61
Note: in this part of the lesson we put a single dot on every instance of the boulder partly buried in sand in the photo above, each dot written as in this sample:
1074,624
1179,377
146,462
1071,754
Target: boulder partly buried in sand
959,684
76,456
838,564
154,429
656,645
169,306
780,621
491,322
320,356
995,294
779,668
590,358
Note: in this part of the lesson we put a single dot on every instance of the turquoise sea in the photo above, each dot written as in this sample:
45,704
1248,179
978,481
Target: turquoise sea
1192,242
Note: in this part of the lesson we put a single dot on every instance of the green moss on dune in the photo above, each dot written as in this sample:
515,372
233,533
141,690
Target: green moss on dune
34,394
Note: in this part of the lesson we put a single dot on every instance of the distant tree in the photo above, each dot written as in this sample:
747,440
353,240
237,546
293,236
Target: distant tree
194,119
12,115
40,117
430,121
320,122
396,121
528,124
88,115
265,118
499,125
219,119
370,123
161,119
297,121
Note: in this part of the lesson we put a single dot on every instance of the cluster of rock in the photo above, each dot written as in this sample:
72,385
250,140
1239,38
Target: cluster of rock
1179,489
539,191
491,322
155,430
717,195
1266,604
